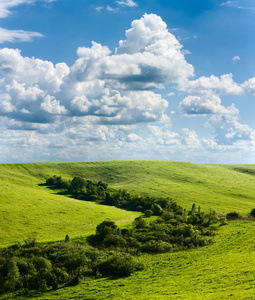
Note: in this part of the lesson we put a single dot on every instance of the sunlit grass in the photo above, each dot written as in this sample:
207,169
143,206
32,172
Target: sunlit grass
224,270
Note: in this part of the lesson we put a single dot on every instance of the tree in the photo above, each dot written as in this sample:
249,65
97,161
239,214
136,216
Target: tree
77,184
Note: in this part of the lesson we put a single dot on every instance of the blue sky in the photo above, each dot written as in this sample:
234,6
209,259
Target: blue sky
102,80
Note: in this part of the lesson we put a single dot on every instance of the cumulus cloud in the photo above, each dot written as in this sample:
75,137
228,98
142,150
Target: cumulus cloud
223,85
30,86
163,135
249,85
31,71
229,130
105,104
112,88
155,51
206,104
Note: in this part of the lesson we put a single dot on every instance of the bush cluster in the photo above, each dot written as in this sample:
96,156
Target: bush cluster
169,232
40,267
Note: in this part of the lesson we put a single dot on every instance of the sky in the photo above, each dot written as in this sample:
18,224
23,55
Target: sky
98,80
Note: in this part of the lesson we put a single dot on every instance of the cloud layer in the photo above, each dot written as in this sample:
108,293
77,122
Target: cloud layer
108,105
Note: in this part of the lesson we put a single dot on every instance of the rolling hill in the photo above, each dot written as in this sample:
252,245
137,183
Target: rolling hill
224,270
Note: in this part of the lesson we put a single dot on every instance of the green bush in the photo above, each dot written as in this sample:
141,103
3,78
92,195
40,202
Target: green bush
252,213
120,264
233,215
148,213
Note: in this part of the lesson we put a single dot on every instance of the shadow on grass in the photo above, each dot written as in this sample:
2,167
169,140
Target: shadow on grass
64,192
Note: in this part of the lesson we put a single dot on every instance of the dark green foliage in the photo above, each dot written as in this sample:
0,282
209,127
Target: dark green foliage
168,232
233,215
63,264
252,213
119,264
148,213
57,182
89,190
77,184
67,238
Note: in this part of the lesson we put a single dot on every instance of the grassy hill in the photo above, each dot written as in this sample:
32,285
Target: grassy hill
224,270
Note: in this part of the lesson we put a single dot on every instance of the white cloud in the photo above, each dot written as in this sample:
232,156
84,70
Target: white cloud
7,5
229,131
228,3
17,35
204,85
207,104
249,85
31,71
99,8
235,58
129,3
111,9
105,106
147,59
132,137
52,106
190,139
6,106
235,4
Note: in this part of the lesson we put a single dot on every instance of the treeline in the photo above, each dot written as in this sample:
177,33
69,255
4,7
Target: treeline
89,190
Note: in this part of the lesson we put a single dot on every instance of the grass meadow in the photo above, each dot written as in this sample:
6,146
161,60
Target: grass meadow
224,270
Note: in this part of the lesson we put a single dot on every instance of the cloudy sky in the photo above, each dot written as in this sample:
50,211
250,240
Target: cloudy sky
105,80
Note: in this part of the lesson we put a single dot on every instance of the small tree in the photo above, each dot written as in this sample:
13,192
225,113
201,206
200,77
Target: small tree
67,239
252,212
77,184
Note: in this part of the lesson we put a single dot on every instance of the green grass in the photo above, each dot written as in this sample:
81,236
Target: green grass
30,210
224,270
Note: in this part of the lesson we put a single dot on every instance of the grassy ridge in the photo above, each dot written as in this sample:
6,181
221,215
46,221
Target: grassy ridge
223,187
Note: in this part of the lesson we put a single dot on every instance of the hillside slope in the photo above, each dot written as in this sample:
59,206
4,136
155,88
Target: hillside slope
28,209
224,270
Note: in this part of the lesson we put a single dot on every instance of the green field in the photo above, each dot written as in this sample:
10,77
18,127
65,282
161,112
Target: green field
224,270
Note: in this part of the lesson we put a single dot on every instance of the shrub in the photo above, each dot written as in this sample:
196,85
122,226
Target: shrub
41,263
252,213
223,221
139,222
233,215
114,240
148,213
120,264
